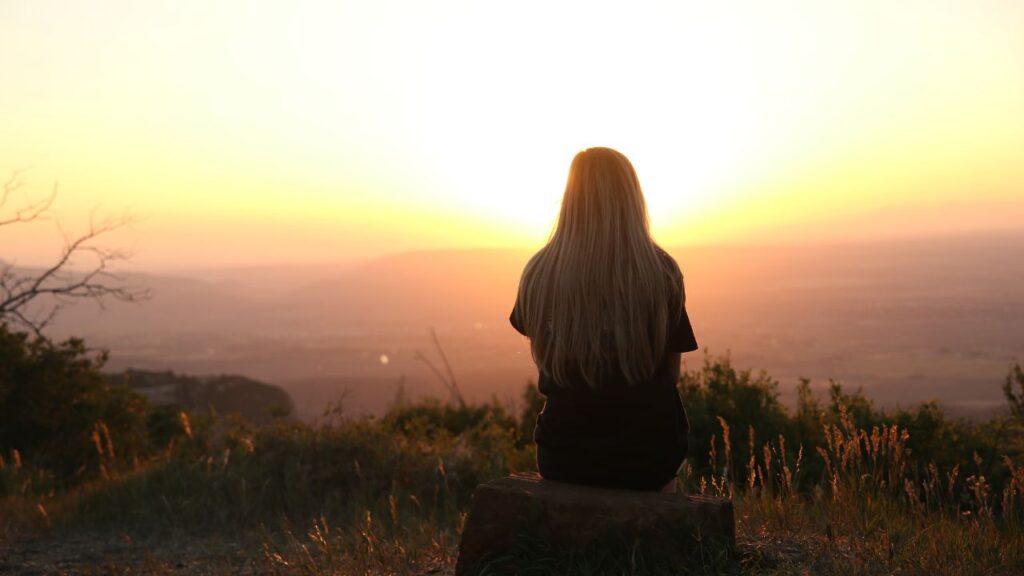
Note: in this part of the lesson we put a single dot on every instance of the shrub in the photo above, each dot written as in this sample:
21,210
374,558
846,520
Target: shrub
60,414
732,407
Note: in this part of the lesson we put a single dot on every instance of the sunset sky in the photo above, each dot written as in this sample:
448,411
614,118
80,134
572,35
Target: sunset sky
259,132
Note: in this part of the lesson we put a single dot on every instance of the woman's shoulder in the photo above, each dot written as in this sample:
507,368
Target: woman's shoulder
670,262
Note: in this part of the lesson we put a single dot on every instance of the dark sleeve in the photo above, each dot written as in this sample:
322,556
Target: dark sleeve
680,333
514,319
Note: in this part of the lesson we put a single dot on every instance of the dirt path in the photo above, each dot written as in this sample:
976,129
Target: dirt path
123,554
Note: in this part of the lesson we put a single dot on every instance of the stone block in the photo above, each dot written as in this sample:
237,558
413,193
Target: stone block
566,518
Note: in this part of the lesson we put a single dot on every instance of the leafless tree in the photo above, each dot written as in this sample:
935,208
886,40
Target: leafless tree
32,297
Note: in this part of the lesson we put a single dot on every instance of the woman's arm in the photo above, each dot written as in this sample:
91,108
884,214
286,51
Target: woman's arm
680,336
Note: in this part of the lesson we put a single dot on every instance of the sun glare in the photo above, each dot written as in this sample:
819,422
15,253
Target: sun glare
502,141
415,124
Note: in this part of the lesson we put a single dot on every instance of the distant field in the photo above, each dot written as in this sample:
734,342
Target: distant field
909,321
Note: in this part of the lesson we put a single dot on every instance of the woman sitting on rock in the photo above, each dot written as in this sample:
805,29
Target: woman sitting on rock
603,307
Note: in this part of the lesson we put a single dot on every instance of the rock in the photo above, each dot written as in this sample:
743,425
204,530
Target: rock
509,514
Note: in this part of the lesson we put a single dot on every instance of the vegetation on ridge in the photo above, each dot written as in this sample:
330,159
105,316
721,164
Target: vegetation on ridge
834,486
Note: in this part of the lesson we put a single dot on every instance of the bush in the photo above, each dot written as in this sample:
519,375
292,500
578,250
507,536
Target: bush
60,414
733,407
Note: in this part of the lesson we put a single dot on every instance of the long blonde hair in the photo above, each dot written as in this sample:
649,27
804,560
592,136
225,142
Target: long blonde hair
598,294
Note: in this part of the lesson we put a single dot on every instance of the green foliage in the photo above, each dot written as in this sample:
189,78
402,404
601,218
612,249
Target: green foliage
257,402
425,458
808,422
1015,399
860,408
431,418
165,426
849,487
735,415
60,414
748,404
389,494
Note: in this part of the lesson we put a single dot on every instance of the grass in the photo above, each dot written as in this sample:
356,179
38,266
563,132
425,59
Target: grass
389,495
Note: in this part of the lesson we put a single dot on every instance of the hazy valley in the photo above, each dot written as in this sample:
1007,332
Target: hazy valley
936,318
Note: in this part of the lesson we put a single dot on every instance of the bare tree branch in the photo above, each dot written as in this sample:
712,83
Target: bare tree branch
32,210
449,381
60,284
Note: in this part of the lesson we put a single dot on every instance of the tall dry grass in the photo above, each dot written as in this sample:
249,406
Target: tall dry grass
870,511
390,494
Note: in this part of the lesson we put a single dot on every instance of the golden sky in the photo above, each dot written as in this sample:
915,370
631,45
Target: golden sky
244,132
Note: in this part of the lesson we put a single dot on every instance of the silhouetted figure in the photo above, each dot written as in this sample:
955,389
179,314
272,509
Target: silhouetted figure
604,308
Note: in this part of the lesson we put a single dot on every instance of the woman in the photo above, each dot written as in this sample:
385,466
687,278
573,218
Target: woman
603,306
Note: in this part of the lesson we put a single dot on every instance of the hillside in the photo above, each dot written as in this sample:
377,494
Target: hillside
225,394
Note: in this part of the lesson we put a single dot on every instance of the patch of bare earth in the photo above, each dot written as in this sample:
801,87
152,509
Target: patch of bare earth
106,553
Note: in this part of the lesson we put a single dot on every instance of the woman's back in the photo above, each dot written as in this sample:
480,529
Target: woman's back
607,351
